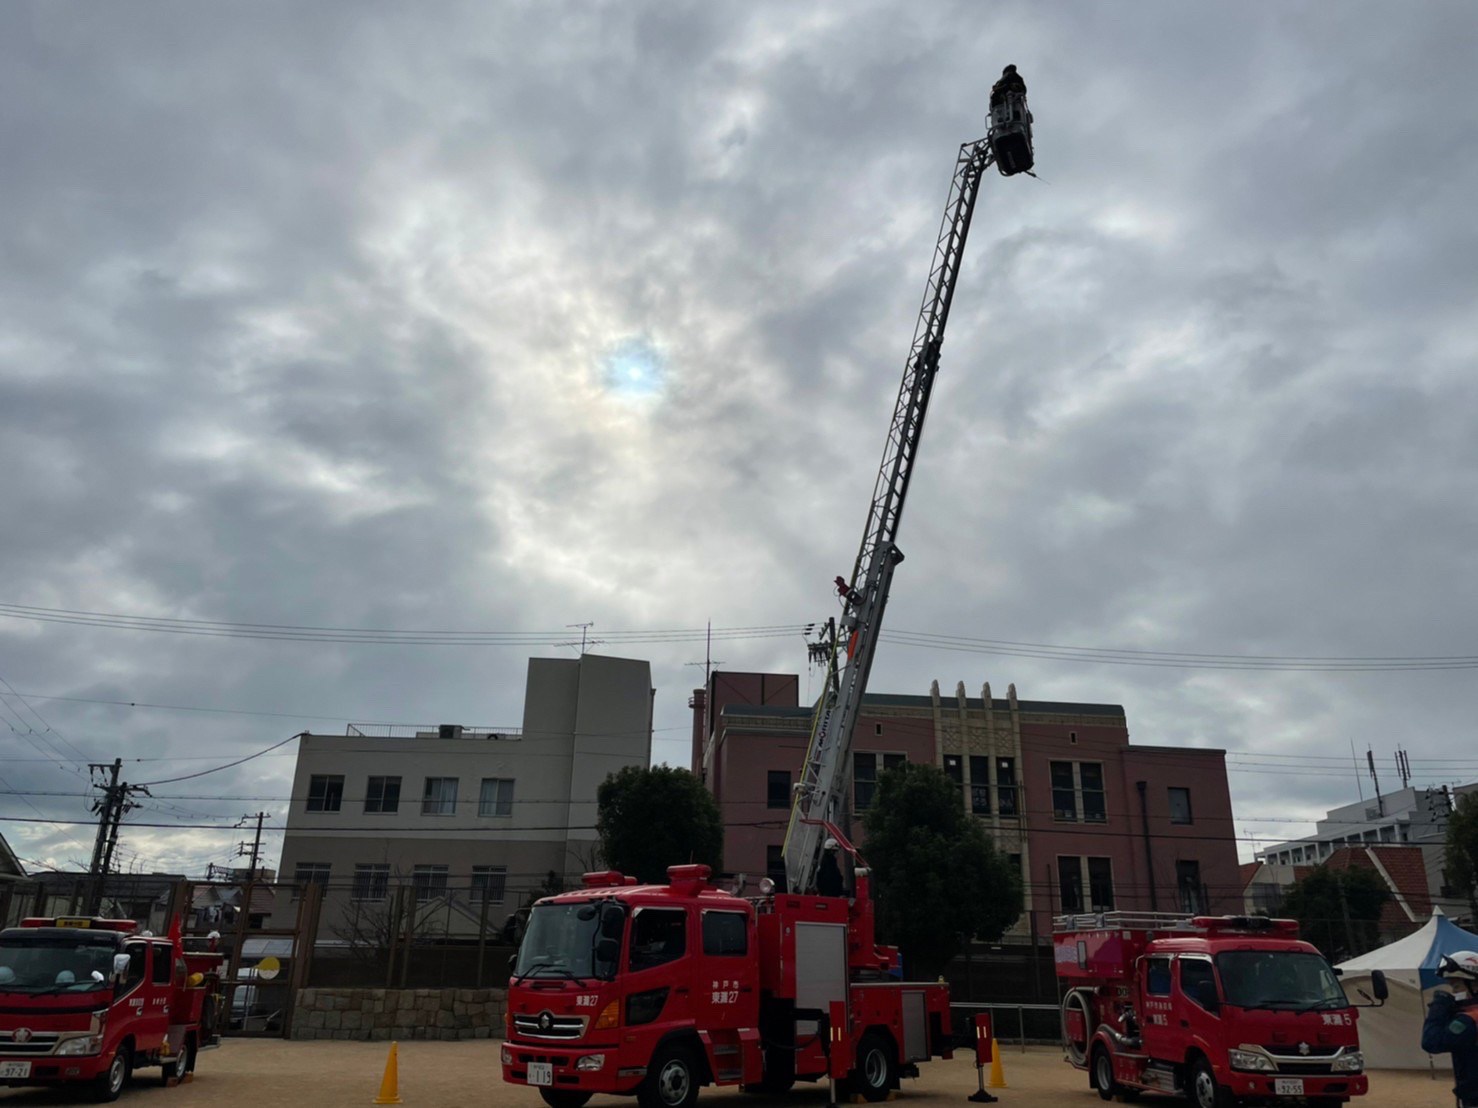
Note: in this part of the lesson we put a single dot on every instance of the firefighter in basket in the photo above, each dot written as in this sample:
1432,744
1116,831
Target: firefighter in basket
1452,1023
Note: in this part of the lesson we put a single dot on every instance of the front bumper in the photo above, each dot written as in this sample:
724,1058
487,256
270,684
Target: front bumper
615,1076
51,1069
1262,1086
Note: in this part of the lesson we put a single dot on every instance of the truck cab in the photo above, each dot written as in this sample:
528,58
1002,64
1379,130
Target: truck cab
1222,1009
89,1000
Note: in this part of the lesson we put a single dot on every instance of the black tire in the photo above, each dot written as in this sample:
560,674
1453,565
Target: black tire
875,1074
564,1098
175,1069
1101,1074
1204,1091
672,1080
107,1085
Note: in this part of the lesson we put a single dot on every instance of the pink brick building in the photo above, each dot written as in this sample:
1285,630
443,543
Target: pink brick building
1093,821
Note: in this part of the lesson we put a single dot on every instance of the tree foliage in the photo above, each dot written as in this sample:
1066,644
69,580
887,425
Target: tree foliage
937,879
1461,866
1338,910
649,819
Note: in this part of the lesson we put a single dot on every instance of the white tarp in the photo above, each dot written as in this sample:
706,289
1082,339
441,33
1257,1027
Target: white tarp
1391,1035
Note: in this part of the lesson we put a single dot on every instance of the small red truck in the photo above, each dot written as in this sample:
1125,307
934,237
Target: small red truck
1223,1009
88,1001
656,990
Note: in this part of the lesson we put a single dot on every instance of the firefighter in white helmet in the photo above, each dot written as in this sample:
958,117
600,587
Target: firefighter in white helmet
1452,1023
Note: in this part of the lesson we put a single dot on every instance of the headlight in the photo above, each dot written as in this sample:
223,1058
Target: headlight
1353,1062
87,1044
1250,1062
507,1055
591,1062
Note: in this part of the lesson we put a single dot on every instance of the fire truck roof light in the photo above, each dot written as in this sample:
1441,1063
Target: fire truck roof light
91,923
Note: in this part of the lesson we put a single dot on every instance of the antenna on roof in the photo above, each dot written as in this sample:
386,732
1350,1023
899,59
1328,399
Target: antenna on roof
1380,801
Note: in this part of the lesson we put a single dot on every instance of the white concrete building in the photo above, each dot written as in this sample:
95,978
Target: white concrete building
465,814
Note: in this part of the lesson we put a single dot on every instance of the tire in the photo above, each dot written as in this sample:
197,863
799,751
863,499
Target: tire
672,1080
108,1084
1204,1091
564,1098
1101,1074
175,1069
876,1072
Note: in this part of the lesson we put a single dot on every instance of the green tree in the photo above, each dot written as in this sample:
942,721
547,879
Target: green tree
937,879
1338,910
649,819
1461,867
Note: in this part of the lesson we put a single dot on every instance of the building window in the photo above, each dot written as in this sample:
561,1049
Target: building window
1188,885
1006,786
440,797
954,769
1090,777
979,785
1070,882
777,789
1101,884
865,776
1064,799
1180,805
489,883
382,794
310,873
371,881
775,865
325,792
496,798
429,881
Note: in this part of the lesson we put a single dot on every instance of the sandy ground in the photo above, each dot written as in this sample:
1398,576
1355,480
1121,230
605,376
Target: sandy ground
262,1073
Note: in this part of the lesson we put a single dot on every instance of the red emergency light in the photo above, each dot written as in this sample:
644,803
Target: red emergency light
84,923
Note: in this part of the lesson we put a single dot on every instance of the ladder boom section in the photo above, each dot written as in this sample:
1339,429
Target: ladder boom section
821,793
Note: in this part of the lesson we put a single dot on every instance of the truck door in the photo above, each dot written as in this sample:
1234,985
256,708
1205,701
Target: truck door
725,977
156,991
660,969
1199,1003
1157,1007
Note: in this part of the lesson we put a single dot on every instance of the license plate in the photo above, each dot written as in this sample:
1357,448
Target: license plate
542,1073
1288,1086
15,1069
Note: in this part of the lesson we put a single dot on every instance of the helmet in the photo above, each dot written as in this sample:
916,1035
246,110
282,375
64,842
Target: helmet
1010,69
1461,964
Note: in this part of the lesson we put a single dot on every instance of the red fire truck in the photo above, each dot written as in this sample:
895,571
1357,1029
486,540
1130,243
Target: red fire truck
658,989
1222,1009
91,1000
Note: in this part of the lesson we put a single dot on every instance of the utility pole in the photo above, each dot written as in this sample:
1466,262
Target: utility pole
115,803
256,846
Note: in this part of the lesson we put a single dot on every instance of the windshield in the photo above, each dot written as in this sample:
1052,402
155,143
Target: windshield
1279,979
561,941
55,964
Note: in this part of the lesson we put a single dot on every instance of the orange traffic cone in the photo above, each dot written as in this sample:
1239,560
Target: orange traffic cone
997,1074
389,1091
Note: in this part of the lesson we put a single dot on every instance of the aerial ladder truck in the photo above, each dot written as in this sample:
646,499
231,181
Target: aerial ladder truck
847,646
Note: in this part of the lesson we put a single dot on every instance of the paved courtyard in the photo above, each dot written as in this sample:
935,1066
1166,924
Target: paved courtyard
263,1073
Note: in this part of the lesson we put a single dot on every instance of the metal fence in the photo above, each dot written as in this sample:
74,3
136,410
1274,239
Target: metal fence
1010,1023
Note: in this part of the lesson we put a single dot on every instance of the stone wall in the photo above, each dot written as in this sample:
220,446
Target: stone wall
401,1014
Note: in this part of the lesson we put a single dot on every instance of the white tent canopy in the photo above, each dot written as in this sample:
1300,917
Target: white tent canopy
1391,1035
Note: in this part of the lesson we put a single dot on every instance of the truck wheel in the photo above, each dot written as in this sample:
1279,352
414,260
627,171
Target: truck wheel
107,1085
1205,1091
1103,1074
176,1068
564,1098
877,1070
672,1080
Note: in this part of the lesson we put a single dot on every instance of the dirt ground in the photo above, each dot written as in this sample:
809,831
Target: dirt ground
264,1073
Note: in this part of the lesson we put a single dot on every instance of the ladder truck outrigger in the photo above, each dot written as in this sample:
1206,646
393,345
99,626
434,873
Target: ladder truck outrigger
656,990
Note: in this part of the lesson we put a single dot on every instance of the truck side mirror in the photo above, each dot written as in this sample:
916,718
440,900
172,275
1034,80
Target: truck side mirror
1378,985
612,922
607,951
120,966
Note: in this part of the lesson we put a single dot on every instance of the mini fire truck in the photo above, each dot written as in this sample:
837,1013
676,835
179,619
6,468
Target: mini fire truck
88,1001
658,989
1223,1009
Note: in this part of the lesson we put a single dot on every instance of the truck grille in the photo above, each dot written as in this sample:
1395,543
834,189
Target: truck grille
40,1042
547,1026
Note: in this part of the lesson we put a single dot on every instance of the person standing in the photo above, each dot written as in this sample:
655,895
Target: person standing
1452,1023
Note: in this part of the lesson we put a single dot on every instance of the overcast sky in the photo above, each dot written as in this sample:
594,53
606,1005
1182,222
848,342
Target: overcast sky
506,317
